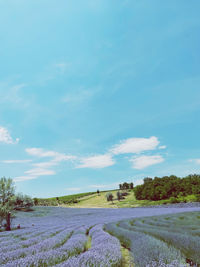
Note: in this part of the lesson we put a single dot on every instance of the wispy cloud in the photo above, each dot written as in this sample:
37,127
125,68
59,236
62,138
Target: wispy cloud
96,162
135,145
62,67
24,178
46,164
16,161
40,172
145,161
6,138
43,168
80,96
12,94
197,161
41,153
162,147
34,174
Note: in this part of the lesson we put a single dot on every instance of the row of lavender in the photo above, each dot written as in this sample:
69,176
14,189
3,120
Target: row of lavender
161,241
60,246
67,237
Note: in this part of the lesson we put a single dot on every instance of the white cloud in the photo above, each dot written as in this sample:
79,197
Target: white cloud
145,161
40,172
23,178
97,161
197,161
16,161
42,168
41,153
45,164
135,145
6,138
162,147
138,182
34,174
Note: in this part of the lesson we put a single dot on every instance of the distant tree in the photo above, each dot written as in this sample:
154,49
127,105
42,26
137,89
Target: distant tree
7,200
119,195
27,201
147,179
120,186
19,199
131,186
36,201
98,192
109,197
125,186
23,201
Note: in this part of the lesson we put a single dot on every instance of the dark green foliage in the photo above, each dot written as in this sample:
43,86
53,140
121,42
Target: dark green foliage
7,199
169,187
109,197
131,185
23,202
36,201
126,186
119,195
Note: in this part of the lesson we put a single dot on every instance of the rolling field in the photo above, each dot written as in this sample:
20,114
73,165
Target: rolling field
94,200
56,236
172,240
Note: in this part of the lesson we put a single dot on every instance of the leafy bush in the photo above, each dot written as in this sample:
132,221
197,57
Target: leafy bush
173,200
197,198
119,195
23,201
109,197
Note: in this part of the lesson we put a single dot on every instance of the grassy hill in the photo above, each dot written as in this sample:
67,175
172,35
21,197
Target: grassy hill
93,200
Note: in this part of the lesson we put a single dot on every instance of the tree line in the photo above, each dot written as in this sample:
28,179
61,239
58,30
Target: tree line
126,186
166,187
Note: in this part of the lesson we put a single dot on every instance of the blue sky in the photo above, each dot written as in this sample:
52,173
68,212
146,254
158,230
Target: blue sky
97,92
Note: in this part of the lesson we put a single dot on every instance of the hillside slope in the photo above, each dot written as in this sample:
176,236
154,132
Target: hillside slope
100,201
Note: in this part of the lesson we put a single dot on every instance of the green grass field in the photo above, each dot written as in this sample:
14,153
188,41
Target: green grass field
93,200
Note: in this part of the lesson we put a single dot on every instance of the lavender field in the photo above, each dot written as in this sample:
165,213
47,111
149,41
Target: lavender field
55,236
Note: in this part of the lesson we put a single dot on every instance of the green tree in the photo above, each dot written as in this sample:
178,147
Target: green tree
23,201
119,195
7,200
109,197
125,186
131,186
36,201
